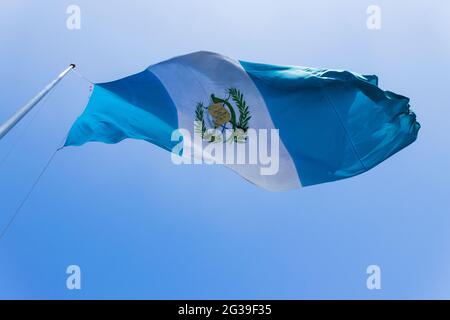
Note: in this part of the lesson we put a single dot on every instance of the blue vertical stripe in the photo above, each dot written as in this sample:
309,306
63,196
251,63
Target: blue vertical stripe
137,107
334,124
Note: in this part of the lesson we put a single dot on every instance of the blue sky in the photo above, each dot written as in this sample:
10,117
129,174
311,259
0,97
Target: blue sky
141,227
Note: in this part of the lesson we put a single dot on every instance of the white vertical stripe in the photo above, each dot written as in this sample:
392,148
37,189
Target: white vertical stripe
192,78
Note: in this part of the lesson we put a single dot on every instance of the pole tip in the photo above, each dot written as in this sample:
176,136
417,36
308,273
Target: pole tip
73,65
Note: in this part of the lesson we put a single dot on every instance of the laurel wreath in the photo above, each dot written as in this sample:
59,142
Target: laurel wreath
244,112
200,125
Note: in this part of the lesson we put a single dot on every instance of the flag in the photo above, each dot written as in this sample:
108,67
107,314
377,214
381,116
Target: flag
313,125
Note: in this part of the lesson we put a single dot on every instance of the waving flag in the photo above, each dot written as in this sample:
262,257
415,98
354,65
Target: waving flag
331,124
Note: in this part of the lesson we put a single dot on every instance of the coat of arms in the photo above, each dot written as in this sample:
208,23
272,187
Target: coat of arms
221,115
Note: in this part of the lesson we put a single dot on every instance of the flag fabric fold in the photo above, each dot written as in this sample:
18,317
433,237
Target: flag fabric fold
332,124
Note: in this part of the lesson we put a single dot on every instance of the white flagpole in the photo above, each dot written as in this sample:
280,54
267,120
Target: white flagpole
22,112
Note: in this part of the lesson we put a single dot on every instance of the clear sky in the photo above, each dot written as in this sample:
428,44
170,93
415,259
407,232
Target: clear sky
141,227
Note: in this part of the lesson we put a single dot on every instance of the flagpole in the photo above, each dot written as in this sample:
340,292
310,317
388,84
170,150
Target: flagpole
22,112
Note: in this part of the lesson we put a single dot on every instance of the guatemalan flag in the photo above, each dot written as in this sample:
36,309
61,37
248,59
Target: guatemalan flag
331,124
